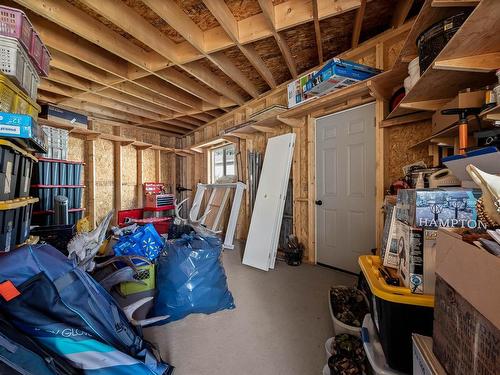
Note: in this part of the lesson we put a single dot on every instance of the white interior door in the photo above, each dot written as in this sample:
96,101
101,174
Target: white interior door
345,186
267,215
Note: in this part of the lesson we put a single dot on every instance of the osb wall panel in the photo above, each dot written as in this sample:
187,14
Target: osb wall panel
104,189
242,9
103,128
199,13
400,139
129,177
148,166
76,149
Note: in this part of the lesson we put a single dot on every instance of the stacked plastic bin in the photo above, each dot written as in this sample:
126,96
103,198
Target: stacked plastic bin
53,177
23,58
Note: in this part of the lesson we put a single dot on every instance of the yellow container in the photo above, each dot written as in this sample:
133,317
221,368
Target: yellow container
370,265
14,100
145,274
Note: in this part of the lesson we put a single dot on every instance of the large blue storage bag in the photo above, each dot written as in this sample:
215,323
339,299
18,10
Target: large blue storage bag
191,278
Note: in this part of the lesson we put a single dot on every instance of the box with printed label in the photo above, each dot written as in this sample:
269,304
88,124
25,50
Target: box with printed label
445,207
296,90
422,277
23,130
409,244
63,116
337,74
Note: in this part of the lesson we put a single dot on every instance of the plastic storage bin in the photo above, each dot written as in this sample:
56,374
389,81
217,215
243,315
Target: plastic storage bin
338,326
15,24
56,235
15,63
48,172
14,100
396,313
15,217
47,193
15,171
23,130
373,349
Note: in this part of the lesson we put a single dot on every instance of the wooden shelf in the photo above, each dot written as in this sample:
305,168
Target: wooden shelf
116,138
72,129
492,114
210,143
476,45
161,148
427,17
141,145
335,98
440,82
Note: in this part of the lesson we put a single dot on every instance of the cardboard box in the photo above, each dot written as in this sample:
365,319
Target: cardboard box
337,74
296,90
441,207
396,238
63,116
410,244
424,360
466,314
463,100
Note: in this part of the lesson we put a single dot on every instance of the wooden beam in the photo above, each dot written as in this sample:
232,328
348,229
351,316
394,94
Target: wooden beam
317,31
206,76
180,80
401,12
117,162
94,108
68,79
268,12
140,177
157,165
58,88
82,24
223,14
180,21
265,129
358,24
89,159
135,101
227,66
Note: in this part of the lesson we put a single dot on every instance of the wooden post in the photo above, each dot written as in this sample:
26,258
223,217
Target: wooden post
311,189
89,159
140,178
117,148
157,165
380,154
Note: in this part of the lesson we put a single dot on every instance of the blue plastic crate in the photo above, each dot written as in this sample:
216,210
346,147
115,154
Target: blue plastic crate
24,130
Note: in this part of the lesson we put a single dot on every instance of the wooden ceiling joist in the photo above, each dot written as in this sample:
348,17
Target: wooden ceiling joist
180,21
223,14
317,31
269,16
358,24
401,12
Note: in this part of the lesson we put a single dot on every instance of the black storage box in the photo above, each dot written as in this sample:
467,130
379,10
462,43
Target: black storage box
396,313
15,218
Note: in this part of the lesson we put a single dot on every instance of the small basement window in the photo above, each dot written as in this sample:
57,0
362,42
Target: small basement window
222,162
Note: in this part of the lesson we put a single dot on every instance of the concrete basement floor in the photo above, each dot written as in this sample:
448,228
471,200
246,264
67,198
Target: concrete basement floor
279,326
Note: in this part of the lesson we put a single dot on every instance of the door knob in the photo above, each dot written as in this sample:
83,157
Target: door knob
319,203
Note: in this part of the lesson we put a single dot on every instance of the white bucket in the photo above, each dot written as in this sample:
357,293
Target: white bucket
338,326
407,84
326,370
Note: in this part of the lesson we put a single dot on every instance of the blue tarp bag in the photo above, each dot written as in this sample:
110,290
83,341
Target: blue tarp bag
65,310
191,278
145,242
